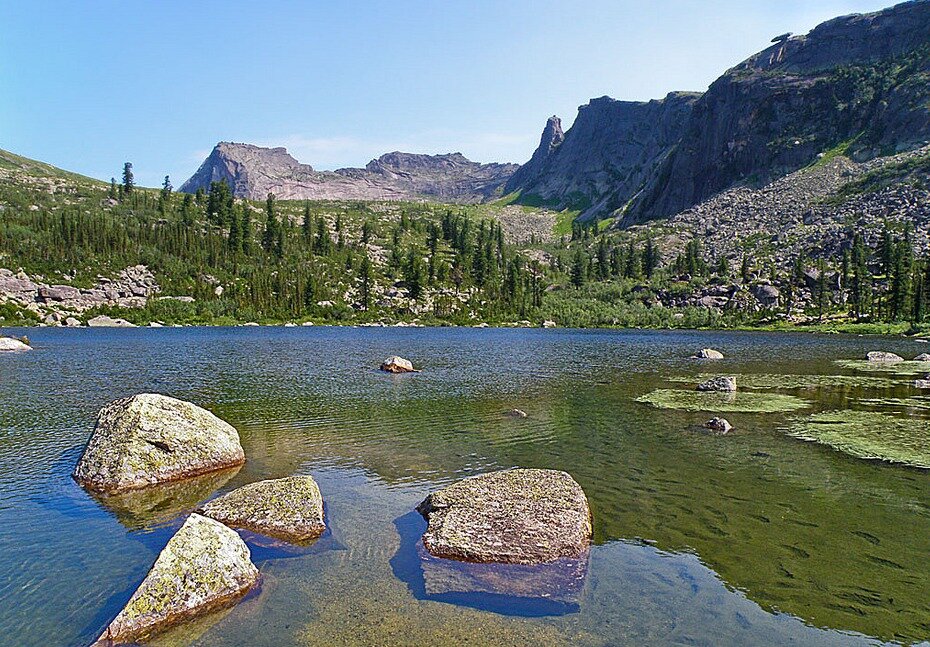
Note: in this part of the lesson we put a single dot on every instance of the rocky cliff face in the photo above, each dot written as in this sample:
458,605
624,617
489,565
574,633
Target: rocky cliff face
859,83
253,172
606,156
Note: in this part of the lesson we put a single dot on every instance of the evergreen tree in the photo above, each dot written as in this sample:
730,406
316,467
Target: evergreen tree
129,182
164,196
323,243
270,235
245,229
579,271
306,226
365,276
113,192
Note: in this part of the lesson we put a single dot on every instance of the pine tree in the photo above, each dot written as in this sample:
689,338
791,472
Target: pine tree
365,276
579,272
307,226
270,235
128,179
164,196
245,229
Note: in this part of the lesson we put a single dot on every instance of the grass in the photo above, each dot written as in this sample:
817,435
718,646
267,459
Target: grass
869,435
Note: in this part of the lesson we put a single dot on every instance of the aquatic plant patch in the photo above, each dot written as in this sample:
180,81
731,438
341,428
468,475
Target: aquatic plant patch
895,368
870,435
916,402
722,402
772,381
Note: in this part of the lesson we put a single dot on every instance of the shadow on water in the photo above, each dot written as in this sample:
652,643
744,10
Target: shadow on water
506,589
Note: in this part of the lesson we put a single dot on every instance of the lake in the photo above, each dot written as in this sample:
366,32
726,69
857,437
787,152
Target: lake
750,538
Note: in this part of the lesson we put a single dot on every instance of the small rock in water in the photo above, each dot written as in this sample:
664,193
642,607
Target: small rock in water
708,353
397,364
151,438
923,383
289,508
882,356
516,413
518,516
9,344
720,425
548,324
103,321
923,357
204,567
721,383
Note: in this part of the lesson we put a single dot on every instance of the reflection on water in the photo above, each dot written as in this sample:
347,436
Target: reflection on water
748,538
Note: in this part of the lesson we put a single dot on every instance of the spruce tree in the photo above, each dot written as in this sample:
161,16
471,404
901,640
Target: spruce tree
128,179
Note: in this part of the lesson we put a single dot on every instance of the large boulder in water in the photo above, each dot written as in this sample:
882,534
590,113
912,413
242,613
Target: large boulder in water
397,364
203,568
708,353
9,345
151,438
290,508
882,356
518,516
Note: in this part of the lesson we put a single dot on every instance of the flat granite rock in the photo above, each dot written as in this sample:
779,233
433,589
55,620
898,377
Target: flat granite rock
290,508
518,516
883,356
149,439
203,568
9,344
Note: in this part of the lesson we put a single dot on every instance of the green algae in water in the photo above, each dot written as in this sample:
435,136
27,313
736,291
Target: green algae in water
739,402
772,381
869,435
921,402
895,368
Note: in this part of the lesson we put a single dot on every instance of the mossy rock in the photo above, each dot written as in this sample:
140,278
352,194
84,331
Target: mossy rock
709,401
870,435
151,438
204,567
290,508
518,516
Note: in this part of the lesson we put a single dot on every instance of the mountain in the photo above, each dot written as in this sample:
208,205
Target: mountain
609,152
254,171
857,85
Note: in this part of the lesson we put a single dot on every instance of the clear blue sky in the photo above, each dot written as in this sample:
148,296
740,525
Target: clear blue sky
87,85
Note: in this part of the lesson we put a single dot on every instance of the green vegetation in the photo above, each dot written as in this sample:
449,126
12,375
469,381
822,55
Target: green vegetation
896,368
869,435
711,402
791,382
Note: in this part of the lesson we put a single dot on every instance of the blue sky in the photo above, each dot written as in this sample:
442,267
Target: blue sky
88,85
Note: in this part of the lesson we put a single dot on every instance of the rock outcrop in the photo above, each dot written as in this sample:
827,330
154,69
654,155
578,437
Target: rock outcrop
11,345
601,163
518,516
726,384
397,364
253,172
151,438
203,568
882,356
853,82
719,425
288,508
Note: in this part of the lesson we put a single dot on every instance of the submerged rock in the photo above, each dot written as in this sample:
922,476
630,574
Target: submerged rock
518,516
923,357
882,356
203,568
516,413
397,364
721,383
290,508
922,384
151,438
11,345
708,353
720,425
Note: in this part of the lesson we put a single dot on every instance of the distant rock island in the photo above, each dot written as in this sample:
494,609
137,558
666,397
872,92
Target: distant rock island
253,172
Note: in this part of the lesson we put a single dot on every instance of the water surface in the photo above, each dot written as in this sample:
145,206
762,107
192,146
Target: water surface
754,538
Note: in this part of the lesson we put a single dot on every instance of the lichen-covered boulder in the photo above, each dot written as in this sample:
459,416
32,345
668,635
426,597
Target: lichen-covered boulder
923,357
290,508
397,364
719,425
11,345
151,438
882,356
708,353
203,568
722,383
518,516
